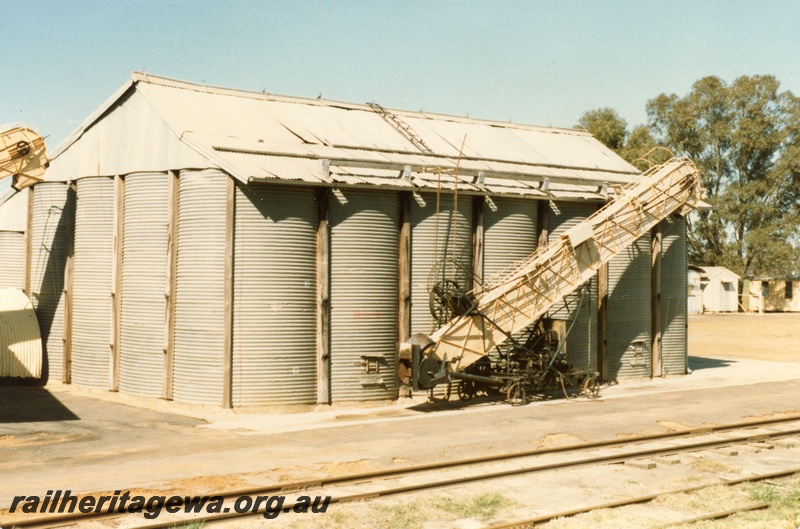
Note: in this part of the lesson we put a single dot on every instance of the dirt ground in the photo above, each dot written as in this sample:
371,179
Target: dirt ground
89,441
770,336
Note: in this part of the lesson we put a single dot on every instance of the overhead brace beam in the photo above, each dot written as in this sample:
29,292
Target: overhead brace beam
532,175
524,176
454,161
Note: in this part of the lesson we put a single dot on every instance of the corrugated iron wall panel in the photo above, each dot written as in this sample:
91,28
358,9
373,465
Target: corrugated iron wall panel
12,259
200,288
143,284
509,234
364,294
150,143
49,236
20,340
629,335
274,296
92,283
674,270
454,240
582,340
14,212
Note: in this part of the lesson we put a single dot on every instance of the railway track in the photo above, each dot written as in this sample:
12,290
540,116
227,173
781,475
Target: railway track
386,483
538,520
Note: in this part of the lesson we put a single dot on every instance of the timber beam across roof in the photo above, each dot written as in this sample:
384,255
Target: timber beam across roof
477,174
545,174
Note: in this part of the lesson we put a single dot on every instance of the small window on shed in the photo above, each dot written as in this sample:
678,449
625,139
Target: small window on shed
788,290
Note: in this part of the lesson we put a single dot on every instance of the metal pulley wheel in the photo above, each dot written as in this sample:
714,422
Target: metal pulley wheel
516,394
23,148
441,299
591,387
447,291
428,369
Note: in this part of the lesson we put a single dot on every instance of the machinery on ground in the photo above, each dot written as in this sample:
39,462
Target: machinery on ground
23,160
508,317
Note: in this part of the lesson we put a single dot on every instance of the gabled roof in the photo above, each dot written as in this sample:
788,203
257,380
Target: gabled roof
155,123
710,272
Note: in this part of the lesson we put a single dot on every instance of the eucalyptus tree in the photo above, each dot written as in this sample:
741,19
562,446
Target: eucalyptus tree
745,139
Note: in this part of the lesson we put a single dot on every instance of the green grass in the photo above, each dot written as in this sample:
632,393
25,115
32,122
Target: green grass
190,525
483,506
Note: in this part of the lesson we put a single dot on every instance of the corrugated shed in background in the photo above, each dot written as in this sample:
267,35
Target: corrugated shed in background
92,283
200,289
143,284
274,296
364,295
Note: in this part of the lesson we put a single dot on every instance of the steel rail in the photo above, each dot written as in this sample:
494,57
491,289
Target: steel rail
530,522
299,486
717,515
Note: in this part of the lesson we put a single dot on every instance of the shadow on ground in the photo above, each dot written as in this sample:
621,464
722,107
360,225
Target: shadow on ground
21,402
698,362
439,404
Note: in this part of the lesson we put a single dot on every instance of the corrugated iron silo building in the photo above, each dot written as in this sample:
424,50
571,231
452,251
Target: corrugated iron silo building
223,247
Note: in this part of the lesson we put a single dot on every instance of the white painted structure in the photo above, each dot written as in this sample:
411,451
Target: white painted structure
720,289
694,292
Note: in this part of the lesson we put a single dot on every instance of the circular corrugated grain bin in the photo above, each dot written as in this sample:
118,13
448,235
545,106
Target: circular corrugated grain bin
20,341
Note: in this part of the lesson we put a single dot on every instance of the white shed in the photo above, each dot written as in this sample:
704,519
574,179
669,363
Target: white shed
720,289
695,291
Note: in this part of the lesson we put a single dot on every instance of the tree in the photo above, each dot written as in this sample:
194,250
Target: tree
745,139
642,150
605,125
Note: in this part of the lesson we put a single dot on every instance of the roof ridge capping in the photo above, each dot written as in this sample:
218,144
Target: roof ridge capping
144,77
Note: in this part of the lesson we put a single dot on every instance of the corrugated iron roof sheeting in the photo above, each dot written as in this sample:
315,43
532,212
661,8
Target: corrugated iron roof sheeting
297,122
158,124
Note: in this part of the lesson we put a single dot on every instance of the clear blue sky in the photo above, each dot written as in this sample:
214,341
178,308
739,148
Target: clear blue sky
537,62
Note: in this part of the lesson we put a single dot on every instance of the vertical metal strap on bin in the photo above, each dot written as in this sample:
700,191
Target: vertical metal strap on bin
323,311
655,300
